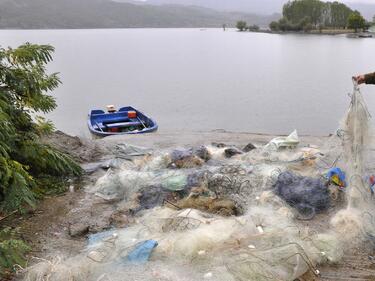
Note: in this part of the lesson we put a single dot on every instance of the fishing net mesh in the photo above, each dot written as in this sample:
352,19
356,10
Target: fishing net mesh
264,242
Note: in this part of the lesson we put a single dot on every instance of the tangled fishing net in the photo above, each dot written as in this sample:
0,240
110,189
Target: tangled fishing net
209,217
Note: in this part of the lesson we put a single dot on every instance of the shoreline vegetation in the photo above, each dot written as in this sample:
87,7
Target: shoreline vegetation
29,168
315,17
329,32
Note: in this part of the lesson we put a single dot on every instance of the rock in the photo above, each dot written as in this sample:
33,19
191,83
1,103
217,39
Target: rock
232,151
196,178
187,163
81,152
91,168
121,220
218,145
152,197
202,152
78,229
100,220
249,147
189,158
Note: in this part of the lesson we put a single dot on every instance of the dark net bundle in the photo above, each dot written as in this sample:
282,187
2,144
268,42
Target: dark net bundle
308,195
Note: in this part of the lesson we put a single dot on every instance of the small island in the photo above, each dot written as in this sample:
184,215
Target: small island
315,17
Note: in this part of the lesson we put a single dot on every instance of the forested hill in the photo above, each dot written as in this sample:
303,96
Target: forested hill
34,14
307,15
264,7
333,14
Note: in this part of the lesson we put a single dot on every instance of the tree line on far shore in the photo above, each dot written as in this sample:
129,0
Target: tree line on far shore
242,26
309,15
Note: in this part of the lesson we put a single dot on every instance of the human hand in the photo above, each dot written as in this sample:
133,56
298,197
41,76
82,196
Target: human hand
360,79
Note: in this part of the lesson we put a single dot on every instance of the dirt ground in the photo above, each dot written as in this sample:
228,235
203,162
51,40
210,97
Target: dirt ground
49,229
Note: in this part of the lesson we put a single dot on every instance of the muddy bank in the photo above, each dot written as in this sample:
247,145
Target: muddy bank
61,224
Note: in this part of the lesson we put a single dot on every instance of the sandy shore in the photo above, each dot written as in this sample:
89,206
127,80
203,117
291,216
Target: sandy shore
161,140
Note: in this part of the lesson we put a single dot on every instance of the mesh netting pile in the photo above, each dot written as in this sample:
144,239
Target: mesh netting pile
264,241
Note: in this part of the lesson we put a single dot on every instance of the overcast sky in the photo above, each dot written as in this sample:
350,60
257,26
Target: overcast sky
351,1
360,1
347,1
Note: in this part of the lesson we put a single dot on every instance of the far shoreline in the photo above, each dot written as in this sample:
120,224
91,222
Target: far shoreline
315,32
350,34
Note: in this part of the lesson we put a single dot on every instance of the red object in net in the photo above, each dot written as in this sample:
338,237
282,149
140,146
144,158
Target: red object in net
132,114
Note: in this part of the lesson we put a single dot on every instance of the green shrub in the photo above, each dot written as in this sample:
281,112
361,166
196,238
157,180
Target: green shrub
12,251
253,28
356,21
241,25
24,87
274,26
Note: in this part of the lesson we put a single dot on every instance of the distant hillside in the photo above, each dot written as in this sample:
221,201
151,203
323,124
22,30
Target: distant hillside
34,14
265,7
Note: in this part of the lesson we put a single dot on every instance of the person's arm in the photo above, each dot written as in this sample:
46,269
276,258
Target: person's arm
367,78
370,78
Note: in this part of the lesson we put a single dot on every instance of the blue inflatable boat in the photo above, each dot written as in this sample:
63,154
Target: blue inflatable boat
126,120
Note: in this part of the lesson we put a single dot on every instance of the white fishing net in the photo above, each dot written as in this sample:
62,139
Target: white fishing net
356,221
265,242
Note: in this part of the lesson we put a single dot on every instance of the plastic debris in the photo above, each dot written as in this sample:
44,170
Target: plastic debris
232,151
249,147
142,252
175,183
285,142
128,151
100,236
121,185
208,275
337,177
260,229
372,184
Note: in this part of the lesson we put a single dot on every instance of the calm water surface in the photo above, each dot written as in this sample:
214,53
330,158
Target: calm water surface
192,79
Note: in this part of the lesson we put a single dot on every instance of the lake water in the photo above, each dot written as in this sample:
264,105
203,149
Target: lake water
192,79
